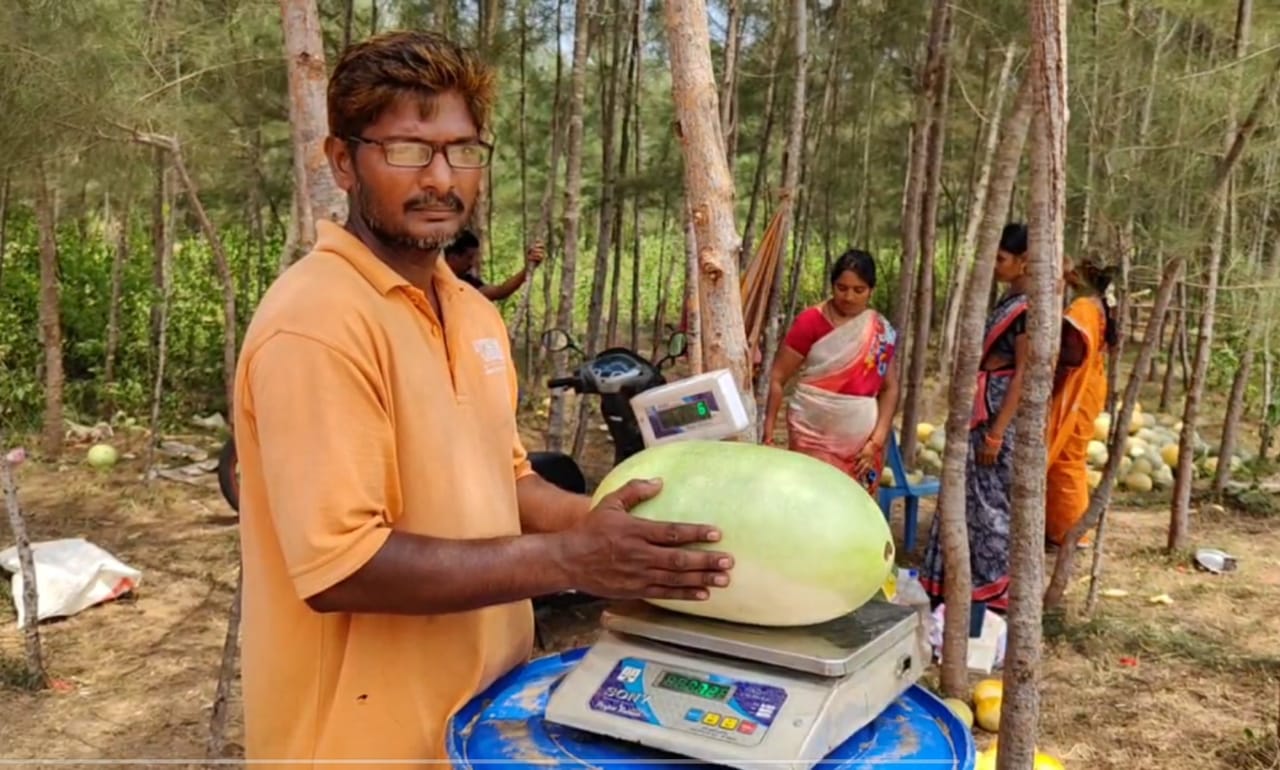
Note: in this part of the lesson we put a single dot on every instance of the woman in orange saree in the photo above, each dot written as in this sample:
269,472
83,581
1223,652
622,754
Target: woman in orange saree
842,408
1080,394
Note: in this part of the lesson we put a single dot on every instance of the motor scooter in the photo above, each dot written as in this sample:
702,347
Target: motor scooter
616,375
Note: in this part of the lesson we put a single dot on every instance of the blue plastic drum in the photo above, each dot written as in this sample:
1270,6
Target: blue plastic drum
504,726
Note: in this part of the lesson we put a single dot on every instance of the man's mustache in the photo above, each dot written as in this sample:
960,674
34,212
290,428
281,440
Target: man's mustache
429,201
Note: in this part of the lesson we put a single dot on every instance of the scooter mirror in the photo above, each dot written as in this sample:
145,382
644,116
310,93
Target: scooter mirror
556,340
677,344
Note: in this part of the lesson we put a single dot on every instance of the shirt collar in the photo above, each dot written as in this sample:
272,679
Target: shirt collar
336,239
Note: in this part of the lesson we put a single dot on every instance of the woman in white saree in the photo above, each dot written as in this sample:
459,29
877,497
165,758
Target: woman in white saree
842,408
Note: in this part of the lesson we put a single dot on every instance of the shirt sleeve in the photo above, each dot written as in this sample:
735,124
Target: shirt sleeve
804,331
521,466
327,449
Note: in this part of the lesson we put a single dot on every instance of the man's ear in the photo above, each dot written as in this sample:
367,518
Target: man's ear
340,162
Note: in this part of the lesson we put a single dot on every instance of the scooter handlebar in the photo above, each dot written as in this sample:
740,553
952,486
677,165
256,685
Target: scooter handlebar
562,382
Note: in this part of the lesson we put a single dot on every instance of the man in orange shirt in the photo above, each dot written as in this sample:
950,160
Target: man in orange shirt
392,532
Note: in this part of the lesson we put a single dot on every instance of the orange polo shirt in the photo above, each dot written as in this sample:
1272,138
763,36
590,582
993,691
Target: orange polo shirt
357,413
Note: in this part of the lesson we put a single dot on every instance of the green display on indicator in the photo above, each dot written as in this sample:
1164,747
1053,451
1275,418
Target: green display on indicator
692,686
685,414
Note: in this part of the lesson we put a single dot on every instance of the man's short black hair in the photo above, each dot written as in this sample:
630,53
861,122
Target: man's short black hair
465,241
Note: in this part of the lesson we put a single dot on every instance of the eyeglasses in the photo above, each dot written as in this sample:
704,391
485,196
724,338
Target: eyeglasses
409,154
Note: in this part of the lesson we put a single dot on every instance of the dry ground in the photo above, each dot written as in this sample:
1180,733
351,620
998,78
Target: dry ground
140,671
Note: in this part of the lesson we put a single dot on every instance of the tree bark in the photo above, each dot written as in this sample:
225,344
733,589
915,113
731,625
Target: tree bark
977,212
26,568
913,214
692,302
118,259
227,671
4,223
308,118
605,225
572,215
953,528
1021,704
1179,514
939,80
729,81
710,189
50,317
790,197
766,136
545,231
222,264
163,267
637,82
1235,404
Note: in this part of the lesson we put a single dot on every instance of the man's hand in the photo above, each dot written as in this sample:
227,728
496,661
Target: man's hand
615,555
534,256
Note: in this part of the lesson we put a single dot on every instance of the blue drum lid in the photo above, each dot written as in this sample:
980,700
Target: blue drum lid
504,725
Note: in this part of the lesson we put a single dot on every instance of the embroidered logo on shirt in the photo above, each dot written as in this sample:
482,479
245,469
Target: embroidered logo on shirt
490,353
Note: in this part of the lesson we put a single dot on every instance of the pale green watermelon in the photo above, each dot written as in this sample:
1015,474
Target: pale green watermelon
809,543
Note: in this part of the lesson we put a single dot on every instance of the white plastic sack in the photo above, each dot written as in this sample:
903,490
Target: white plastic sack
986,653
71,575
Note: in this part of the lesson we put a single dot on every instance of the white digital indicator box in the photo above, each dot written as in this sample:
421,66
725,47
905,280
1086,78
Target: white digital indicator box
705,406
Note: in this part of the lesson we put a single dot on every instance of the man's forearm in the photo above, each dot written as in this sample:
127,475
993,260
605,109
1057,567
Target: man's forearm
418,575
544,507
507,288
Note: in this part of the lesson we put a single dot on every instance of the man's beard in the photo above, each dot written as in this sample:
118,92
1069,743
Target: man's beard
400,239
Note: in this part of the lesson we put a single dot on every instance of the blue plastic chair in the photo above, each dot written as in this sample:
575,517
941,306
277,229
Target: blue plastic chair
928,486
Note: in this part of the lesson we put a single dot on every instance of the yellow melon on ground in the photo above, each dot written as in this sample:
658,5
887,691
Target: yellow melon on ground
988,714
1097,453
1169,453
961,710
923,431
987,689
986,760
1138,482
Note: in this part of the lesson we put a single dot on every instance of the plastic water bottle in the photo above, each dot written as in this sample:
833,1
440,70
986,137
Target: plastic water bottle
910,593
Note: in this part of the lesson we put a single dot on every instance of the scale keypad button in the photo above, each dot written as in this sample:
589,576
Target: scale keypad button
729,723
747,728
711,719
693,715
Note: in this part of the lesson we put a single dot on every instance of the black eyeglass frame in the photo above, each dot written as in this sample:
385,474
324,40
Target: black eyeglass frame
433,149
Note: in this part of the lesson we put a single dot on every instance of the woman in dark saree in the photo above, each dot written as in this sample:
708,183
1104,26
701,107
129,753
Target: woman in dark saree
989,467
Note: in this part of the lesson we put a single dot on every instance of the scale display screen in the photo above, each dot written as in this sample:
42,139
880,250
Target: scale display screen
692,686
685,414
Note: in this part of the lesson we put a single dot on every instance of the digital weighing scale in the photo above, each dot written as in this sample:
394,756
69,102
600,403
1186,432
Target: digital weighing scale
727,693
732,694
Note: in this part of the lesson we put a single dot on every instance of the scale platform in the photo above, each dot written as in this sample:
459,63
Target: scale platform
736,695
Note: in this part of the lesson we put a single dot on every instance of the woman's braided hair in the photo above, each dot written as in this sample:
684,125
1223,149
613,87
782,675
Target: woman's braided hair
1099,278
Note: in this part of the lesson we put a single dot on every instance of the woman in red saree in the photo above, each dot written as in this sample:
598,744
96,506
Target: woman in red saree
842,408
1079,396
